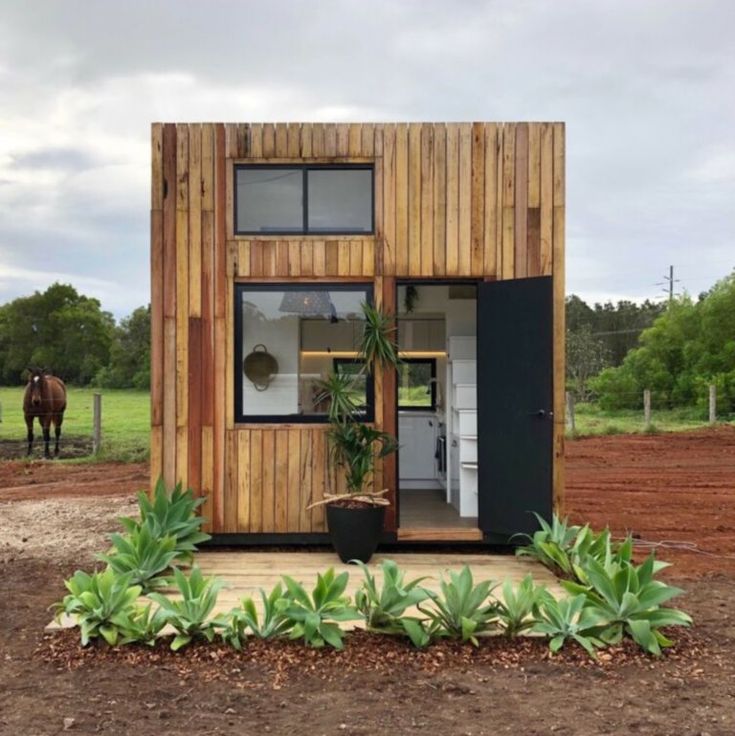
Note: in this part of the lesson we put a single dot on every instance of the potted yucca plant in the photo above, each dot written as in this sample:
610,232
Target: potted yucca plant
355,518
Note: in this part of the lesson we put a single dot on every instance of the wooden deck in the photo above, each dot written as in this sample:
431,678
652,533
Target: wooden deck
245,572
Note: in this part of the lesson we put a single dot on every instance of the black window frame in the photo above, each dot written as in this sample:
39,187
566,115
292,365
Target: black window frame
305,168
240,417
432,363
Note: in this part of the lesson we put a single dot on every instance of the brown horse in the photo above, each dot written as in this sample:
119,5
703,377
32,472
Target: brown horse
45,398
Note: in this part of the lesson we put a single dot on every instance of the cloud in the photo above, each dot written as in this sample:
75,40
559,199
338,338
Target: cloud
644,86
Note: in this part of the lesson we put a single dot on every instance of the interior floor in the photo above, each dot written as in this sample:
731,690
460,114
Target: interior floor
428,509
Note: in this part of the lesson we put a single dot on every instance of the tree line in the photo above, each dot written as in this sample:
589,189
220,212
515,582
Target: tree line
71,335
614,351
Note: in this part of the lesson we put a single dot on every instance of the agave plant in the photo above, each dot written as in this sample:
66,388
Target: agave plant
143,625
462,610
551,544
141,555
626,599
314,618
384,606
517,609
273,624
565,619
190,616
101,603
171,515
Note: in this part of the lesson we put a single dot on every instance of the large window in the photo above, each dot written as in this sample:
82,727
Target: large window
286,341
286,199
417,384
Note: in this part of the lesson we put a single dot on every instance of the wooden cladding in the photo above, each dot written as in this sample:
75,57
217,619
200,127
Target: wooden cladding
457,200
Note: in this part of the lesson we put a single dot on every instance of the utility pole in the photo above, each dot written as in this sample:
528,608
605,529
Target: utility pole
670,281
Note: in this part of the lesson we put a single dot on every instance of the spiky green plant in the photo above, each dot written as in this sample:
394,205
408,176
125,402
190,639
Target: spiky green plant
144,625
101,604
626,599
141,555
517,608
315,617
377,343
355,447
384,605
172,514
273,624
190,616
567,618
462,609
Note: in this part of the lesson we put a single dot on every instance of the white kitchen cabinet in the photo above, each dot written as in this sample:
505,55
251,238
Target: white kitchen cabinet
417,434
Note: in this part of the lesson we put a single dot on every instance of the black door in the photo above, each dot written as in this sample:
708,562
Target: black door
514,405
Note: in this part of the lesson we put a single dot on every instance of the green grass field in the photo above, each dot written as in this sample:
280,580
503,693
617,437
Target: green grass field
591,420
125,420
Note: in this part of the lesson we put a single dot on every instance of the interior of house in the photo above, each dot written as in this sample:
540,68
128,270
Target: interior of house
437,406
291,338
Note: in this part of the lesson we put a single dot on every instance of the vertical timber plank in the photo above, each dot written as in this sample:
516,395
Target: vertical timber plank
477,199
281,491
490,227
465,198
295,483
414,199
452,247
547,195
243,480
401,194
520,250
427,200
439,264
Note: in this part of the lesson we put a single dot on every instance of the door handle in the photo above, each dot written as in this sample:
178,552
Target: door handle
542,414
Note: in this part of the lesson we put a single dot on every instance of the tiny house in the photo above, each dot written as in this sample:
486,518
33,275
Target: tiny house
266,239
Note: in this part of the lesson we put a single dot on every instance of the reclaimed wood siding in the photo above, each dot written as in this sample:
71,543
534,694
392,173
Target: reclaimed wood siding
462,200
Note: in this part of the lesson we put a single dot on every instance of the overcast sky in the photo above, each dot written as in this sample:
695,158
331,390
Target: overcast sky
647,90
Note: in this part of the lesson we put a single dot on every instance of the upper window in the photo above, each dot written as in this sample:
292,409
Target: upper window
286,199
287,338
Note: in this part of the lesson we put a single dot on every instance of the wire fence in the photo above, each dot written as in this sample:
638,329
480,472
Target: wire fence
655,410
97,425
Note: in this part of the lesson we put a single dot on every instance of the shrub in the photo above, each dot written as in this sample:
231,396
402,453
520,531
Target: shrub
190,616
141,555
383,607
101,603
274,624
517,609
171,515
144,625
625,599
461,610
314,617
564,619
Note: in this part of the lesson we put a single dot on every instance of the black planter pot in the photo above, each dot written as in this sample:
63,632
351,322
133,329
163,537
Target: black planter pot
355,533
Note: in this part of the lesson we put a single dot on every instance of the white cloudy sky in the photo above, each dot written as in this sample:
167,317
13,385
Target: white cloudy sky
647,90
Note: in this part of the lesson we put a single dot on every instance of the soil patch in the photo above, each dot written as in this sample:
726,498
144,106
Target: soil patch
676,490
679,487
70,447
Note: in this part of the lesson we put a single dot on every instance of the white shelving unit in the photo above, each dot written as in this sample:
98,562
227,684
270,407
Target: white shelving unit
462,425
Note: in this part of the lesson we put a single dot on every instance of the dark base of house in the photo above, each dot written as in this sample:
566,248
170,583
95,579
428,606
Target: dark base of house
486,542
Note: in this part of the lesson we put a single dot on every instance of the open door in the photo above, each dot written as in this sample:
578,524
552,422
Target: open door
514,405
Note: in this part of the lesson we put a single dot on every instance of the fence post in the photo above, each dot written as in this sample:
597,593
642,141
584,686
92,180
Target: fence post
712,403
647,407
1,412
96,422
570,412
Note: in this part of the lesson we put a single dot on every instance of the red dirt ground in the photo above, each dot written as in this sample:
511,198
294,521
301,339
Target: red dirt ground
678,487
674,488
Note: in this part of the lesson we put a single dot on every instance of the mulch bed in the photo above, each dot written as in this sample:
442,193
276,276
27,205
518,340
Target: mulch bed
283,659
